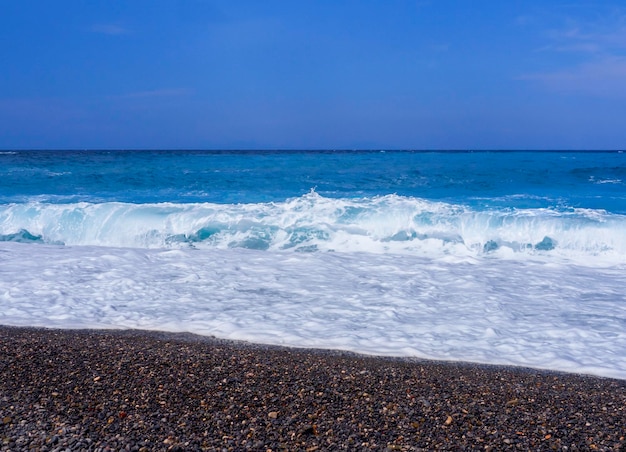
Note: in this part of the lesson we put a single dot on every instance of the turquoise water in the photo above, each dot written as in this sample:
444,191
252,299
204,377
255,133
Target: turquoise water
424,202
594,180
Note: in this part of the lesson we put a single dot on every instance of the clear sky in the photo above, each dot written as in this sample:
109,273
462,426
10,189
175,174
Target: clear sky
311,74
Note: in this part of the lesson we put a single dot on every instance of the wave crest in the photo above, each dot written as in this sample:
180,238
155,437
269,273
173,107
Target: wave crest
312,222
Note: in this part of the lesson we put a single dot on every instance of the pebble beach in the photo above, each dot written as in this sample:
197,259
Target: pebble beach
150,391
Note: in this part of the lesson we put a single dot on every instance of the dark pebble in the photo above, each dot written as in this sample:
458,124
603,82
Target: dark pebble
151,391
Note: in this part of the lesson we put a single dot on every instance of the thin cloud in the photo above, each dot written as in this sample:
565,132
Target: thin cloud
605,33
524,20
598,48
577,40
109,29
583,47
156,93
604,77
439,48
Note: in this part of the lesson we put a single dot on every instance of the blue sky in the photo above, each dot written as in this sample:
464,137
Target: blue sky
311,74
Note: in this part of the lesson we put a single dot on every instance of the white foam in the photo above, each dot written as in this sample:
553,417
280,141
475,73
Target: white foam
385,224
483,309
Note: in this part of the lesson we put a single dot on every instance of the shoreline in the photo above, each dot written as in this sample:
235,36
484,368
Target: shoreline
150,390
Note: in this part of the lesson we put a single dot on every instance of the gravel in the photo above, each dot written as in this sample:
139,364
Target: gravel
142,391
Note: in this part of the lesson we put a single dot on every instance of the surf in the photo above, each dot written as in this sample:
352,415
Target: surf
312,222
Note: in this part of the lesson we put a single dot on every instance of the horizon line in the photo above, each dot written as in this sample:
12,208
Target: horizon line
297,150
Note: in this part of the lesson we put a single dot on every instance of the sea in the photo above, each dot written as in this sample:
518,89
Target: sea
513,258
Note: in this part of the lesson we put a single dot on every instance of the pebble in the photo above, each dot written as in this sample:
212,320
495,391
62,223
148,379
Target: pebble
139,391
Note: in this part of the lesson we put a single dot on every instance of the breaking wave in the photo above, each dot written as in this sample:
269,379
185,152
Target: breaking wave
382,224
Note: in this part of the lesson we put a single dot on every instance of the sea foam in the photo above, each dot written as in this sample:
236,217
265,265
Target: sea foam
526,313
380,224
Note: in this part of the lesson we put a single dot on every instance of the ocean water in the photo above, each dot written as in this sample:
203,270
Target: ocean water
495,257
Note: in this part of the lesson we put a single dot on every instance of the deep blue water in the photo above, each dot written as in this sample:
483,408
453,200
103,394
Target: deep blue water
594,180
